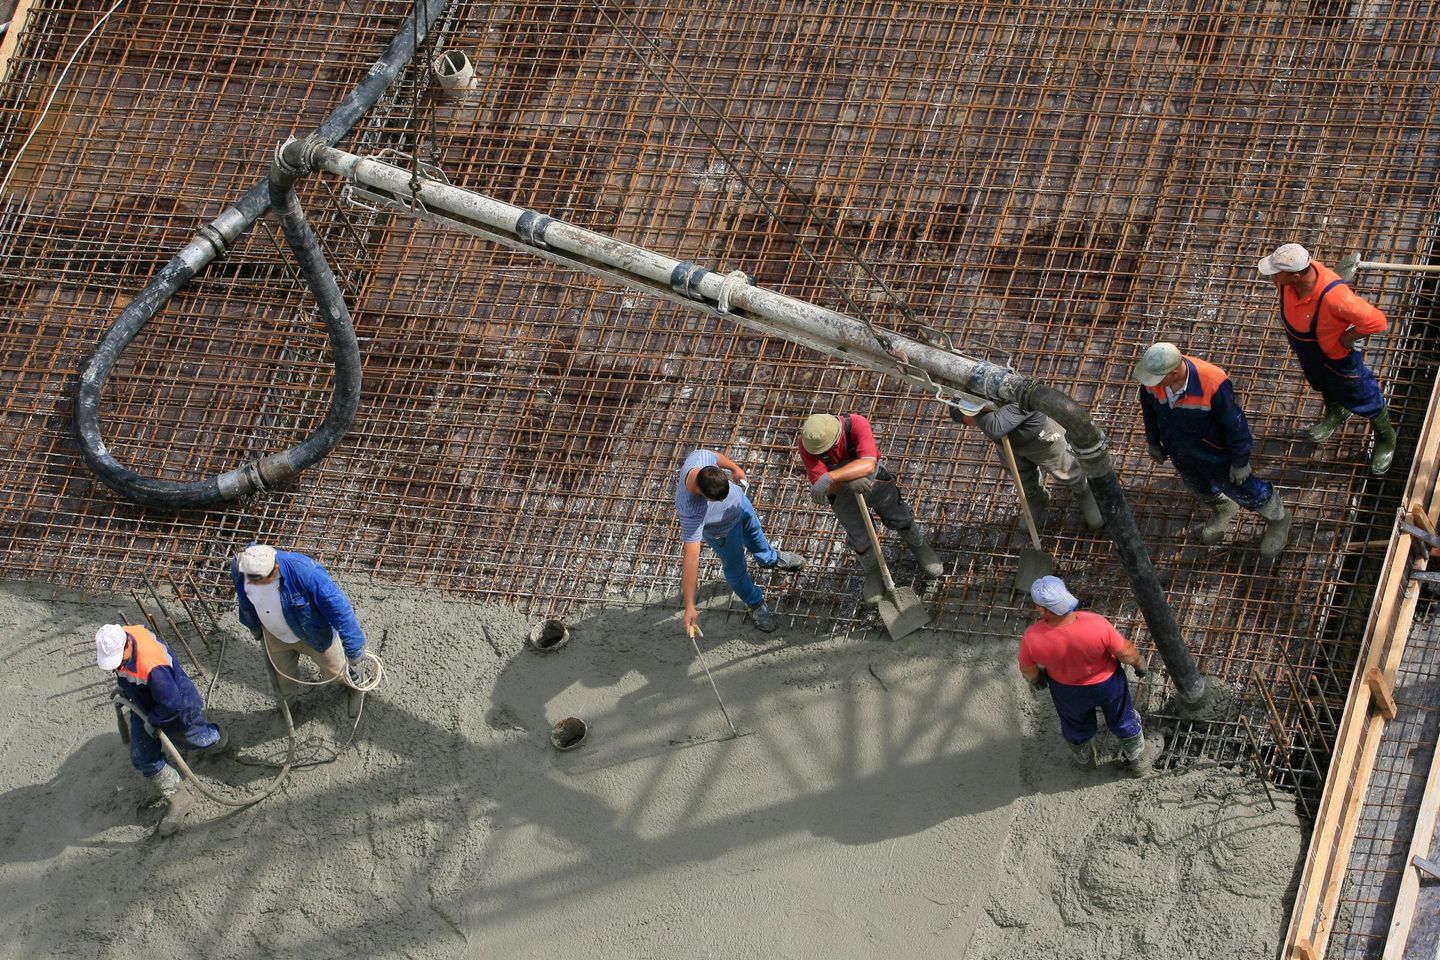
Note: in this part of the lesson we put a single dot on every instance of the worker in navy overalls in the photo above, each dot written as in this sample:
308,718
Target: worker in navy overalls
1323,318
1193,420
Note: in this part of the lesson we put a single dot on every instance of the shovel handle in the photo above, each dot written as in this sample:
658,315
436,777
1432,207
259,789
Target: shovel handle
1020,489
875,544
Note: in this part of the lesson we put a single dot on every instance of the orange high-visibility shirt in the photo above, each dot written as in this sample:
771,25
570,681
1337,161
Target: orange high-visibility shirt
1343,309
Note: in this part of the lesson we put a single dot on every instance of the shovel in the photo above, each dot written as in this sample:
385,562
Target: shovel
900,608
1034,562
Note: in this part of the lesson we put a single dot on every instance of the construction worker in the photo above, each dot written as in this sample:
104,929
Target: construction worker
842,460
714,508
152,682
1193,419
291,606
1323,320
1039,446
1077,655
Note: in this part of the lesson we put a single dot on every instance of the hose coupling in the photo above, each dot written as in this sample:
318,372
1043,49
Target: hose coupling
685,279
531,228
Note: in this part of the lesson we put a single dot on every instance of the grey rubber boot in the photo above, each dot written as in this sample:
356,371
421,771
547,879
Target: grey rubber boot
929,561
1142,752
1089,509
874,587
1277,526
1222,512
1384,453
178,801
765,621
1321,429
1038,499
1083,754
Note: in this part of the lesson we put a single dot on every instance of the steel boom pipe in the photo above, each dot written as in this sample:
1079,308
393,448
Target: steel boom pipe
940,372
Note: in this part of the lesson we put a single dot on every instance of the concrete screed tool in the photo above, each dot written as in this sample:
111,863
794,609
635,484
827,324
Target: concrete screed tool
1034,561
900,609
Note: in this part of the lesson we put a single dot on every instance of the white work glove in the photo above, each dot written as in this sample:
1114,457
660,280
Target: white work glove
1157,452
820,490
1239,473
860,486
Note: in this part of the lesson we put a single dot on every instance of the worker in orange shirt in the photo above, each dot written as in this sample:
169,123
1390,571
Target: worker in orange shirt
1323,318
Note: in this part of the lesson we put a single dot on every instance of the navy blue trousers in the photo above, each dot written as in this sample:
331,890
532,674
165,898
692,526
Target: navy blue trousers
1077,704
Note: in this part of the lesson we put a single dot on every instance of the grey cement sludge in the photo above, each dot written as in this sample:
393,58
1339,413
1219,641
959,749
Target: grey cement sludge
895,800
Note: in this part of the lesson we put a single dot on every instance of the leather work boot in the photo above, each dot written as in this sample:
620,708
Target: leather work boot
1089,509
874,587
1384,453
928,560
1222,512
1277,526
1321,429
765,621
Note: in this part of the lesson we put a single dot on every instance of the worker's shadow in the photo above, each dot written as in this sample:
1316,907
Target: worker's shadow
94,789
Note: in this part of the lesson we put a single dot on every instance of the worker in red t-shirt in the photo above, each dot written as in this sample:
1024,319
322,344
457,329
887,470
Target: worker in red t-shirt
1077,654
1323,320
841,460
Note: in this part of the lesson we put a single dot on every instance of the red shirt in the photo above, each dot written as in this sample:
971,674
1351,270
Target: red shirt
1343,309
1079,653
841,454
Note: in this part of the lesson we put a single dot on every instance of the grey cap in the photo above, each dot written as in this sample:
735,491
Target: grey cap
1287,258
1158,363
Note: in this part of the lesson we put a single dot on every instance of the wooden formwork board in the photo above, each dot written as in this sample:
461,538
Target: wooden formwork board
18,22
1367,710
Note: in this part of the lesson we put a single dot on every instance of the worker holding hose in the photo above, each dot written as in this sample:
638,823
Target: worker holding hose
1324,320
163,699
291,606
1040,450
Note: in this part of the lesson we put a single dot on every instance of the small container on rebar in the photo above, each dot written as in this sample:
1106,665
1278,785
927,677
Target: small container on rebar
454,73
548,635
568,733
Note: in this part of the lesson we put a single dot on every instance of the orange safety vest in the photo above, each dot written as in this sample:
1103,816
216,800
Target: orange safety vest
143,653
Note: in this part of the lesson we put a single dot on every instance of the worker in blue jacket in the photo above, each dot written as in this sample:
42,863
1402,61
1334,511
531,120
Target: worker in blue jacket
291,606
152,682
1193,419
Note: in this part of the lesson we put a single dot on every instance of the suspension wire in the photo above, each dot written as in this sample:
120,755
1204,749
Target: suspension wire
826,226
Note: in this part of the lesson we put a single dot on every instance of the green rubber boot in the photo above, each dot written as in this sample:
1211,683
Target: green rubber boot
1321,429
1277,526
1384,453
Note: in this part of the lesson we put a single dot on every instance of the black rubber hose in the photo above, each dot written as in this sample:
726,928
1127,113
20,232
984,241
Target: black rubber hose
1089,445
210,242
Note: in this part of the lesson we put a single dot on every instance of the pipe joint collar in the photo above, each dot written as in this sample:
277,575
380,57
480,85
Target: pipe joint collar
685,279
276,471
295,158
531,228
216,240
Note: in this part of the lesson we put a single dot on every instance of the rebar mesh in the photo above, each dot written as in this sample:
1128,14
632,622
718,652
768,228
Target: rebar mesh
1061,183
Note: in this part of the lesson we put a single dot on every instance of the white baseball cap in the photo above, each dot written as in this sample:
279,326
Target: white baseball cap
1287,258
1052,594
256,560
109,646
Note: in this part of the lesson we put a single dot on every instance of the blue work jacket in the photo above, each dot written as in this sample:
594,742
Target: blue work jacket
315,608
1206,426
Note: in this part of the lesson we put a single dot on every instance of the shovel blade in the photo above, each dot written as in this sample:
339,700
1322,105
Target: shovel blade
1034,564
903,613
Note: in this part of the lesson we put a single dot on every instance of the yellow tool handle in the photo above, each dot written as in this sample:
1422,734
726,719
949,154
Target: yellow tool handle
1020,489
